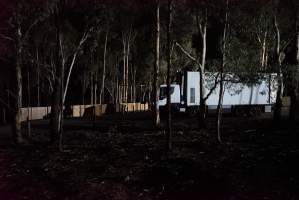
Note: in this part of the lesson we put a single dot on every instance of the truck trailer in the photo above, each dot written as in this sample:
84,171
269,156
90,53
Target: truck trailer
238,93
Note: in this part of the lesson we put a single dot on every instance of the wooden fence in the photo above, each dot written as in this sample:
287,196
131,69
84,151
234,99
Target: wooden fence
35,113
85,111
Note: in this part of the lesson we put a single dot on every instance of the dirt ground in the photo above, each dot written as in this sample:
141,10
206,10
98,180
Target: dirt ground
124,158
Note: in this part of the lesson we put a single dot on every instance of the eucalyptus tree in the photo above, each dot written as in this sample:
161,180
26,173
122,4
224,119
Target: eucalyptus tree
169,41
72,31
200,11
102,97
292,57
224,44
24,17
157,65
282,40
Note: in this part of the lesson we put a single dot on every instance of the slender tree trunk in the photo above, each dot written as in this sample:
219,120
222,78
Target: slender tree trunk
297,39
219,107
126,74
38,81
123,96
127,70
169,133
133,72
17,125
28,104
202,29
104,70
117,92
150,91
18,137
95,88
202,107
83,90
74,57
134,86
157,66
294,108
131,92
91,89
62,100
131,84
56,95
278,105
223,63
55,107
264,50
95,81
297,70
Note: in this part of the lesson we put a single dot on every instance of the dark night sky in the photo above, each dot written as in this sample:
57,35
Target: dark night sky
7,5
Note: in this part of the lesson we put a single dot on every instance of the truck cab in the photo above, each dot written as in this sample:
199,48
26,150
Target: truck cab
175,94
184,94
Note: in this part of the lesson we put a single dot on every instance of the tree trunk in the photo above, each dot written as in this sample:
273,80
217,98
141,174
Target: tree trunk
202,29
95,88
134,86
219,107
264,51
127,70
62,100
38,81
55,109
95,81
223,63
56,95
28,104
123,96
102,92
83,94
202,107
156,67
278,104
74,57
17,125
117,92
294,108
91,89
18,137
169,133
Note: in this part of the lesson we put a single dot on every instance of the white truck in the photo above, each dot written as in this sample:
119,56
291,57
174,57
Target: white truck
185,92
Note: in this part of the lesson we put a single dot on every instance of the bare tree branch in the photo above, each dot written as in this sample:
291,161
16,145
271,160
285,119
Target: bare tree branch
187,53
198,23
6,37
83,39
30,27
213,88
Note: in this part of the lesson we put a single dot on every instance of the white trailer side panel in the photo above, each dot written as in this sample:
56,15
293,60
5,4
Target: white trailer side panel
236,93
